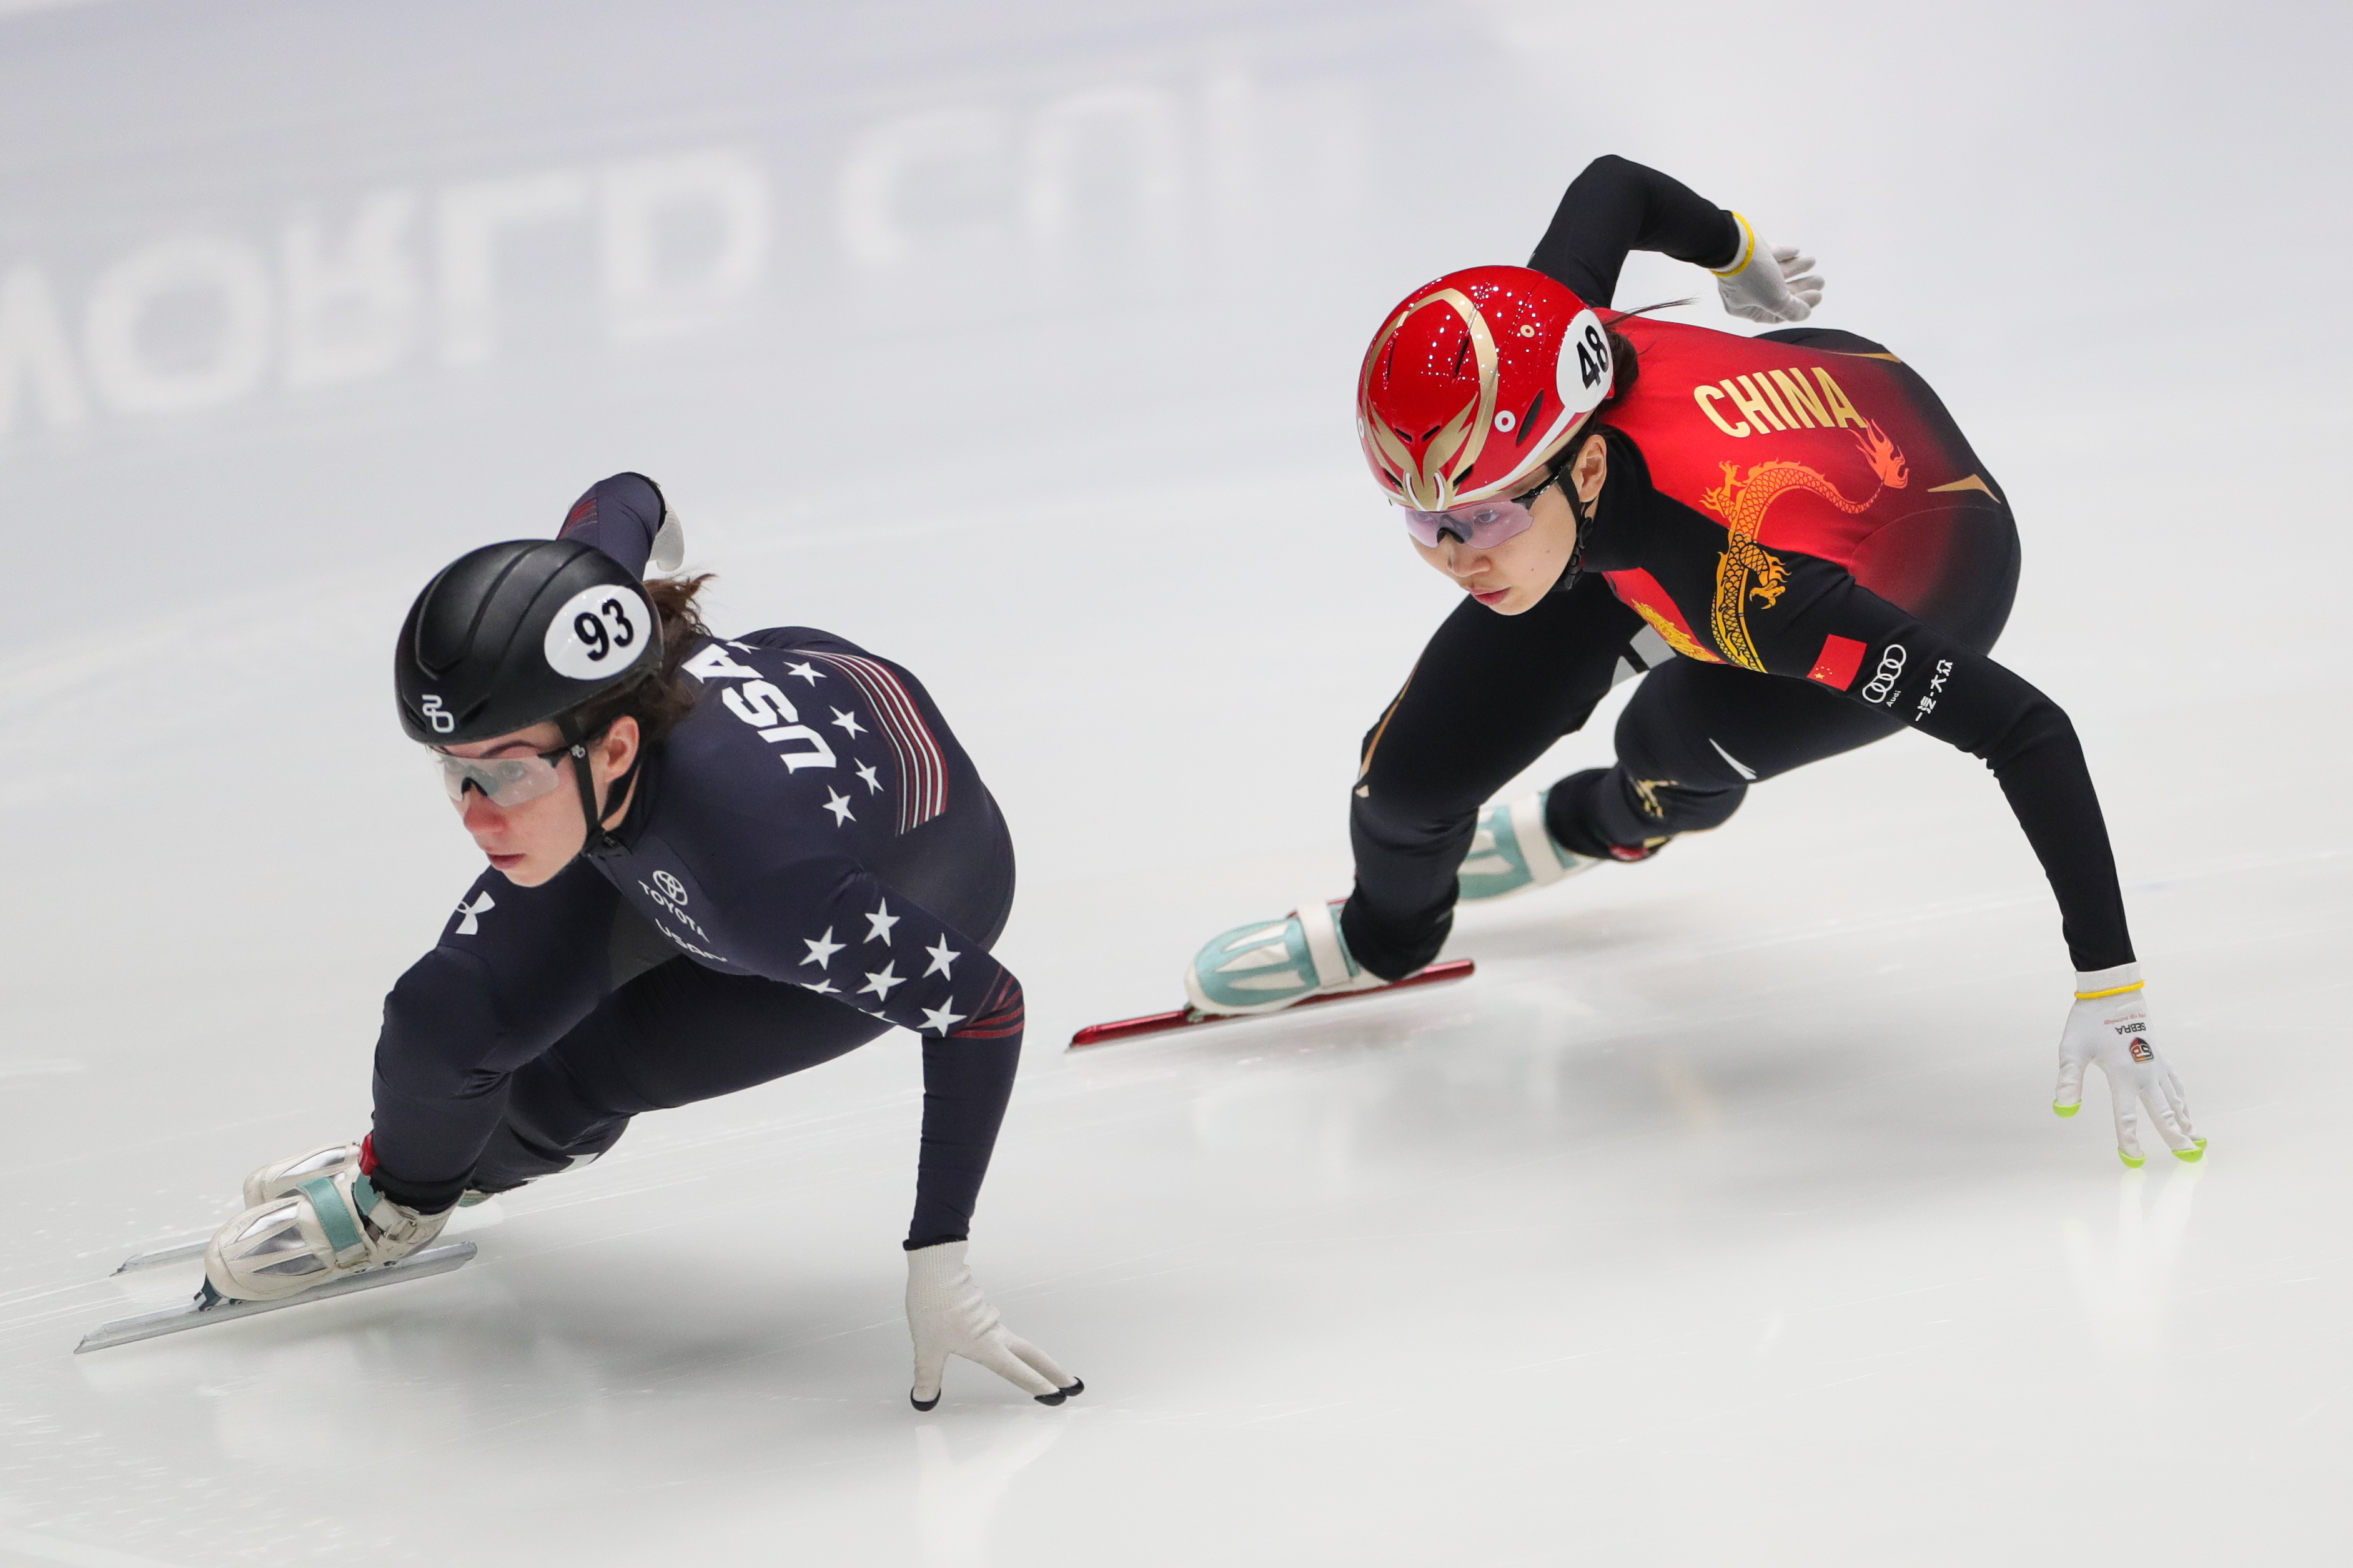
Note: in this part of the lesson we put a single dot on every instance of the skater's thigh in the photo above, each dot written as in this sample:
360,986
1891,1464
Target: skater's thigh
681,1033
1490,692
1704,725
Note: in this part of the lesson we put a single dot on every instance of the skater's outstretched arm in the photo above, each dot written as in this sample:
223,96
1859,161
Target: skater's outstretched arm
1617,206
1830,629
968,1008
623,517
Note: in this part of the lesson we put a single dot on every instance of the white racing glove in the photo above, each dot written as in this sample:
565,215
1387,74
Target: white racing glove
947,1315
1768,284
2109,1025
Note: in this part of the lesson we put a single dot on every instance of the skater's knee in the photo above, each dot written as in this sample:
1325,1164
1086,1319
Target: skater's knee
1402,812
558,1107
1611,810
434,1028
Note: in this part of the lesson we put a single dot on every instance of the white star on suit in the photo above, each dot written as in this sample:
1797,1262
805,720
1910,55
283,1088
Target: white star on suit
805,672
822,949
942,957
940,1018
838,804
881,920
866,771
747,647
848,723
822,987
881,983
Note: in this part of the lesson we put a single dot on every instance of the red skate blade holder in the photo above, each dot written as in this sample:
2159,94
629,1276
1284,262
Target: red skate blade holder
1185,1017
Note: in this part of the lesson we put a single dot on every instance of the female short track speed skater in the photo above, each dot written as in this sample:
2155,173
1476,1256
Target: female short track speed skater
1786,535
711,863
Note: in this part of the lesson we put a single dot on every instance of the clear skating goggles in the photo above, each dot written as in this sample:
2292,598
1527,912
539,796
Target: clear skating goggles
1482,526
504,780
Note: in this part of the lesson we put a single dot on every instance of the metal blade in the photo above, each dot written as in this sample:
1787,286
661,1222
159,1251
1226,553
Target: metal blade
162,1253
1185,1017
432,1260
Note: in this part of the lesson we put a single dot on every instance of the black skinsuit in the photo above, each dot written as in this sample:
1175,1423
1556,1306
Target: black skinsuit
809,859
1818,664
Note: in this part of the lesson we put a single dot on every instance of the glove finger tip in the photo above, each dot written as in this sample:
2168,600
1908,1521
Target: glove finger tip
2060,1108
2135,1162
919,1402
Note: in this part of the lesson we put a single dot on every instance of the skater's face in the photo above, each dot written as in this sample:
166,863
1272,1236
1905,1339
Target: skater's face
1509,578
532,839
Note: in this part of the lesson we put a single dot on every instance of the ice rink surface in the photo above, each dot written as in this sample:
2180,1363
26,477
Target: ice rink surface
1722,1219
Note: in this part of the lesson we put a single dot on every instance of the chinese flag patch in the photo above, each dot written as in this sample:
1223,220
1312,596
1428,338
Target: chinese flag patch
1838,661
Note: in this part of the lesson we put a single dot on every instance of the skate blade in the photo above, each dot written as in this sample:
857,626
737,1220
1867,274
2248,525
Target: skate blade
169,1252
151,1325
1185,1018
476,1217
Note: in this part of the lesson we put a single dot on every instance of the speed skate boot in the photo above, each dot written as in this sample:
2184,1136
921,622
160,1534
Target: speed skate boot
1269,964
327,1227
1512,851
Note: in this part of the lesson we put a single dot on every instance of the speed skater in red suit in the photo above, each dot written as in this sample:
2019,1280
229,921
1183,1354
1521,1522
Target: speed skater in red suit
1784,536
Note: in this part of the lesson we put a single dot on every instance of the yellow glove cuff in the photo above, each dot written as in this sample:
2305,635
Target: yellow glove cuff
2112,991
1747,253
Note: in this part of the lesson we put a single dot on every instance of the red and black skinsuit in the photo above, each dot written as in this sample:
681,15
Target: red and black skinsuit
1796,542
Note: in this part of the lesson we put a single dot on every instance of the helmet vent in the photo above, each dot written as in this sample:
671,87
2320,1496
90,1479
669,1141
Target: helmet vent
444,631
1528,420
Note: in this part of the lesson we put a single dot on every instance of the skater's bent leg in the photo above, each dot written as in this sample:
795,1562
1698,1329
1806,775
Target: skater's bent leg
1689,745
449,1038
675,1034
1488,695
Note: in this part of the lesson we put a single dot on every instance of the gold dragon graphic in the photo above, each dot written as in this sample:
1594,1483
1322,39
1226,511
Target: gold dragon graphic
1745,570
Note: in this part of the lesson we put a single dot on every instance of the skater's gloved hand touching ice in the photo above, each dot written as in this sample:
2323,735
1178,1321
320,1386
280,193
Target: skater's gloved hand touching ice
1768,284
2109,1025
947,1315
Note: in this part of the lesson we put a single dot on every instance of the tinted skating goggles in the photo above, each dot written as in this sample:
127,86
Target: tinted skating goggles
1482,527
505,781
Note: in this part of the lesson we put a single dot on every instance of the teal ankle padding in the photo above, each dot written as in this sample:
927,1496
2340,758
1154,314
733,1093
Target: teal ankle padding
1494,865
335,1217
1269,983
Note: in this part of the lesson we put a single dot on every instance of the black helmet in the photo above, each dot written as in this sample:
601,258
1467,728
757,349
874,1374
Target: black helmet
514,634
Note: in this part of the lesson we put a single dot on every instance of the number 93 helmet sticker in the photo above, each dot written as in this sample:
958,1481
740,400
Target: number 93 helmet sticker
598,633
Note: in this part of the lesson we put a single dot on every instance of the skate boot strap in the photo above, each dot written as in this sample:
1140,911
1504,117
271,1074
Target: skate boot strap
341,1227
1321,927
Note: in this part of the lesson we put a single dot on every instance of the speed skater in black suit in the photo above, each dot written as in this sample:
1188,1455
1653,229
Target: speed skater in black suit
714,861
1784,536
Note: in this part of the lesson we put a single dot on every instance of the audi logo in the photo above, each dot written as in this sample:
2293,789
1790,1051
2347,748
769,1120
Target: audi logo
1882,681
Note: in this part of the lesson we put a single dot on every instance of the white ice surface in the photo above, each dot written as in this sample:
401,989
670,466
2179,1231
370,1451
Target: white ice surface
1721,1220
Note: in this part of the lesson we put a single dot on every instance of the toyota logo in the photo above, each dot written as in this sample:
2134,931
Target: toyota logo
672,888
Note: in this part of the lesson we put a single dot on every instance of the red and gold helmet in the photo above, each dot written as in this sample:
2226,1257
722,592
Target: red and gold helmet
1474,381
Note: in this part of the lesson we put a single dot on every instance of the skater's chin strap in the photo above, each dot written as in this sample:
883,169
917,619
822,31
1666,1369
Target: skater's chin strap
600,843
1576,567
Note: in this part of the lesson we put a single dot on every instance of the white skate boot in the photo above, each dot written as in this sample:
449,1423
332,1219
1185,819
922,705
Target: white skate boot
1269,964
1512,851
329,1226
